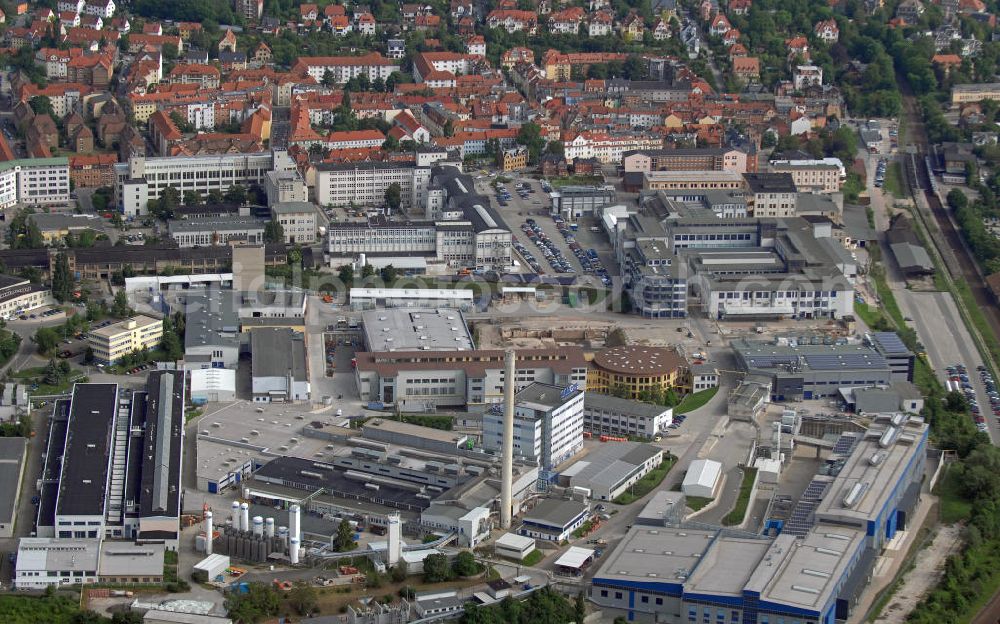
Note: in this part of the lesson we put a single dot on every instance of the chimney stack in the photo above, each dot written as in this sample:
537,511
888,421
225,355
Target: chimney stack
507,466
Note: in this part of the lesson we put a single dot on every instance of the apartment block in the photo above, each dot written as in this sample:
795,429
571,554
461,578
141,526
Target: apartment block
297,220
812,176
365,184
692,159
34,181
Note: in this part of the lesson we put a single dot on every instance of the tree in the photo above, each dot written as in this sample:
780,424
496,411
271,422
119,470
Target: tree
88,355
466,565
273,232
120,307
367,271
391,144
42,105
164,207
393,196
192,198
957,199
346,274
214,197
236,194
436,568
530,135
580,608
259,602
302,598
170,343
399,572
46,339
449,128
62,279
388,274
329,79
344,541
555,147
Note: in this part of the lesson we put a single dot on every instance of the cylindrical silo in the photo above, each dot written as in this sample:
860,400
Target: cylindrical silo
209,529
258,526
244,517
235,520
269,527
293,550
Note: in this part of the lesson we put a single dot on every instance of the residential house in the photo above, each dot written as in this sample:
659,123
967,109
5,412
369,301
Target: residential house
475,45
661,31
513,20
747,69
720,25
601,24
396,48
262,55
827,30
92,171
567,21
910,11
633,27
740,7
365,24
228,41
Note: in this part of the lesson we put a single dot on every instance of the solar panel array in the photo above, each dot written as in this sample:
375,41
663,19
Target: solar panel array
890,342
803,516
835,361
844,445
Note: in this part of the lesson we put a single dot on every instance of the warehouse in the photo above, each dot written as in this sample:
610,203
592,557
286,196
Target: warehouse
513,546
213,385
278,364
12,455
554,519
611,469
45,561
611,415
702,478
417,329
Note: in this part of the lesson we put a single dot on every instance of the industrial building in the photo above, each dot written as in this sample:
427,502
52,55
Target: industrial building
213,385
372,298
212,330
416,329
702,478
418,380
414,436
807,369
554,519
814,570
226,230
12,457
573,202
548,425
513,546
611,415
608,471
112,342
365,184
278,365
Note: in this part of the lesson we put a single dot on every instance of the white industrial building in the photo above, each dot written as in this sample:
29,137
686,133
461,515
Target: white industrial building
554,519
416,329
370,298
472,526
702,478
213,385
34,181
611,469
548,424
513,546
44,561
212,566
278,365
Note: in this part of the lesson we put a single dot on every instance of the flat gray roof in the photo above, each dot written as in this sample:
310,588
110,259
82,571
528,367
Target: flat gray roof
277,351
555,511
417,431
650,555
726,566
610,463
544,397
416,329
212,318
11,461
607,402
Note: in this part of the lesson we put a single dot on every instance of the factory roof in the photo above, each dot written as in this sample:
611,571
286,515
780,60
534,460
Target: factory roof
637,360
207,379
541,397
555,511
66,555
161,445
426,329
293,207
618,405
663,506
87,454
417,431
278,352
800,356
805,573
215,224
211,319
11,465
575,557
611,463
514,541
129,559
655,555
866,481
726,566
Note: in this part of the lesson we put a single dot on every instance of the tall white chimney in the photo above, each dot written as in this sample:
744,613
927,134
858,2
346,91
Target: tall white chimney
393,546
244,517
507,466
209,529
294,522
269,527
235,520
293,550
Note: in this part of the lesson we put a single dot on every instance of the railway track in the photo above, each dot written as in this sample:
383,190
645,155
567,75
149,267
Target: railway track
957,257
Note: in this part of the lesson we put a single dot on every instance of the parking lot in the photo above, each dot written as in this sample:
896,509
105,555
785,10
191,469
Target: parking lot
545,244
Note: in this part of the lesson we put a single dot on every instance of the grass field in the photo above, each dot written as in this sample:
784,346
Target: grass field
696,503
739,511
693,401
894,180
533,558
648,483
